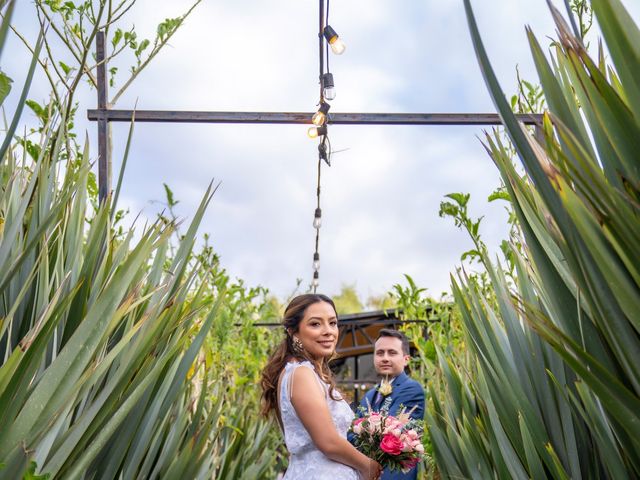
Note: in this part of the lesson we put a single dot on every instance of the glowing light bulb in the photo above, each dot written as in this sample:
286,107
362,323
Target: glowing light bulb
315,132
320,117
337,45
317,218
316,261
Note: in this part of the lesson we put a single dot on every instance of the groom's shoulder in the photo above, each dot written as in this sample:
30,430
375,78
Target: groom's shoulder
411,384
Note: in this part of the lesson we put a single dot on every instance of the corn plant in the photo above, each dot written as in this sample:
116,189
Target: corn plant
555,391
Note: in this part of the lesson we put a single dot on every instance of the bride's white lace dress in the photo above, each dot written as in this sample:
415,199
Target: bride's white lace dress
306,462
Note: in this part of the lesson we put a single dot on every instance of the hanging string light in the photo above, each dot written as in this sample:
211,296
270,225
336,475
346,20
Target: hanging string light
315,132
328,87
327,37
320,117
336,44
317,223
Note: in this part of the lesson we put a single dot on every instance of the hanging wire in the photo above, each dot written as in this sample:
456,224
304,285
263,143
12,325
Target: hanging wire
316,252
321,17
324,147
326,44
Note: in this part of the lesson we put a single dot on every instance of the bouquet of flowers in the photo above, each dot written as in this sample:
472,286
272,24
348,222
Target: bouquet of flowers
394,442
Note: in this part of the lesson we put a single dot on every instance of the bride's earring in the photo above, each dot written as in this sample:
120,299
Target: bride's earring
297,345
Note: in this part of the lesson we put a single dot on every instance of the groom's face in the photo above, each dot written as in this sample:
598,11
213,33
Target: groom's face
388,357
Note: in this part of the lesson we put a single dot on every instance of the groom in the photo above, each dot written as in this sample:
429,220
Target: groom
390,357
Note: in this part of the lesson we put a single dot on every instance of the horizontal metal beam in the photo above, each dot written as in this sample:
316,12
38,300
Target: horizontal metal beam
167,116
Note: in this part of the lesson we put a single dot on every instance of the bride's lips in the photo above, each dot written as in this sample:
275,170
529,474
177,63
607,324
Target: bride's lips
328,343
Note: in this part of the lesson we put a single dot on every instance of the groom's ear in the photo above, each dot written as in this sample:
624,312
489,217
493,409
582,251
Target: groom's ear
407,358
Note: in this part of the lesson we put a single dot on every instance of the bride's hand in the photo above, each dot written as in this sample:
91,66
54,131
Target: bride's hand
373,471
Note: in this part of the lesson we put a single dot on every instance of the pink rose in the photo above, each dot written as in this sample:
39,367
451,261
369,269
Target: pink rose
391,424
389,429
419,448
374,423
375,418
406,443
391,444
412,434
357,426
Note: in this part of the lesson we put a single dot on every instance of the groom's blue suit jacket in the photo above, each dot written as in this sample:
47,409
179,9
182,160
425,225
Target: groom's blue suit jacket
408,393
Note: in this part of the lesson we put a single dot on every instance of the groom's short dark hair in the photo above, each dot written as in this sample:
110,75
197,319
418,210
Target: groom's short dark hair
389,332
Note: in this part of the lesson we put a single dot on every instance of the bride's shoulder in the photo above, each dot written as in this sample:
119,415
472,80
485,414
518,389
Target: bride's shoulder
294,363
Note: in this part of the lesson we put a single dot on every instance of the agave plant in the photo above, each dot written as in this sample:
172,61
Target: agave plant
556,389
105,359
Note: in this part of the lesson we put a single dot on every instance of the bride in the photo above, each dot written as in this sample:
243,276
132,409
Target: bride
298,387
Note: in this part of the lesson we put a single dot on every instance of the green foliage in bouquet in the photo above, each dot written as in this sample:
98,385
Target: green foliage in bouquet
554,391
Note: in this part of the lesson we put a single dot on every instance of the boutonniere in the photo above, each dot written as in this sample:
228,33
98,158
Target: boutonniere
385,388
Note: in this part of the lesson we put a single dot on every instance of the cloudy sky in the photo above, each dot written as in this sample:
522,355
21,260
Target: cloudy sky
381,195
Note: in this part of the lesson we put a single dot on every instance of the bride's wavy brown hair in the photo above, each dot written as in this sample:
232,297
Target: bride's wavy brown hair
293,315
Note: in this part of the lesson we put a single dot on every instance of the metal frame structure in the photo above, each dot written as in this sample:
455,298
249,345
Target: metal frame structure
104,115
354,327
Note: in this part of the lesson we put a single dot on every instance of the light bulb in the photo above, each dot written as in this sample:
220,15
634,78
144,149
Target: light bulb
317,218
337,45
315,132
329,93
328,87
320,117
316,281
316,261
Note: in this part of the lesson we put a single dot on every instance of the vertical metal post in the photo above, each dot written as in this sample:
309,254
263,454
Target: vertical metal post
356,374
104,153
